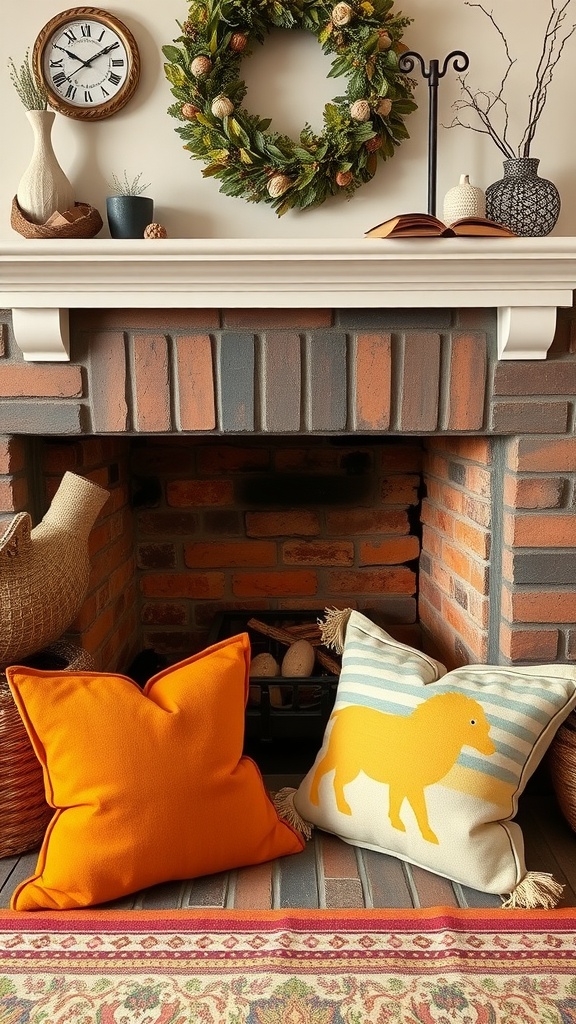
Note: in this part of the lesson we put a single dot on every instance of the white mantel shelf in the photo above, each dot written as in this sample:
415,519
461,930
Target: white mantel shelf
525,279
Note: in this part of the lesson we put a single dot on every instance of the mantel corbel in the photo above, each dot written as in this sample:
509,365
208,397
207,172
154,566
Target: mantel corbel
524,279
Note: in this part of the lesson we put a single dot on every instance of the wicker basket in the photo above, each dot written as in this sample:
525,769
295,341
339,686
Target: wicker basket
85,226
562,761
24,813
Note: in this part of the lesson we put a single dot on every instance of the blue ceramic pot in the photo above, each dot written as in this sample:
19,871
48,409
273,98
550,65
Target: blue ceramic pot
129,215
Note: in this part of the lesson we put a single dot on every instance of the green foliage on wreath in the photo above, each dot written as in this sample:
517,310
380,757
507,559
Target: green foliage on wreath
360,127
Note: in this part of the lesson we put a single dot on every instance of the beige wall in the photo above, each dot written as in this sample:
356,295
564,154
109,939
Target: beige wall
287,81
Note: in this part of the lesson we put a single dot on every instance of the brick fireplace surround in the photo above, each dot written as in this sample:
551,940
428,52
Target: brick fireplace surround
297,458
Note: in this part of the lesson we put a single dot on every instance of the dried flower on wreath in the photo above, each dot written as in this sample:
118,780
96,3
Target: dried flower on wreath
263,166
490,109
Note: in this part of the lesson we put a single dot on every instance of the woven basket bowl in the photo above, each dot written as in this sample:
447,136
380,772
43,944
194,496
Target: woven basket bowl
562,762
24,813
84,227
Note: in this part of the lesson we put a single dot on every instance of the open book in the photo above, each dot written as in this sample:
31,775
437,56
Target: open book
420,225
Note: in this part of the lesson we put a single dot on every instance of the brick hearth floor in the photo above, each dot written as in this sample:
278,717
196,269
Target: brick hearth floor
332,874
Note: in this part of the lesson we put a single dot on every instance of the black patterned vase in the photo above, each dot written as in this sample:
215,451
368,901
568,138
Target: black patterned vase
522,200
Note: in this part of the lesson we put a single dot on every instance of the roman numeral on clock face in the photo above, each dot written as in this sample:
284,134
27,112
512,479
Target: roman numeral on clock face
85,29
57,63
59,78
71,92
113,78
70,36
87,96
117,63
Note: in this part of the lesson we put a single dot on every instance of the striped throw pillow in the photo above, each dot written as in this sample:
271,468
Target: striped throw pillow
429,765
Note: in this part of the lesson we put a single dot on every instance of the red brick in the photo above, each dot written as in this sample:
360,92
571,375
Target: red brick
542,377
177,585
13,495
389,551
290,523
306,459
444,495
216,459
476,540
467,568
192,493
156,556
420,382
12,454
467,382
164,613
438,518
289,319
474,449
373,381
253,888
224,554
274,584
478,481
545,455
318,552
475,638
369,581
400,489
533,492
151,383
544,531
529,644
479,511
539,606
515,417
195,382
165,320
107,376
367,520
33,380
405,458
338,858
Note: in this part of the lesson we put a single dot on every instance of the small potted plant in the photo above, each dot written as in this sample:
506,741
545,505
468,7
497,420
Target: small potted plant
128,211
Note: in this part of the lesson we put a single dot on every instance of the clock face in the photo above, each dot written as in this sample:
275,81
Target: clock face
88,62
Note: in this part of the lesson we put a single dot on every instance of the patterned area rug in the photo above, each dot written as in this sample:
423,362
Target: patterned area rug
438,966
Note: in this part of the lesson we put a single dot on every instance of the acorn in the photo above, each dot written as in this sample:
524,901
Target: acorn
343,178
342,14
373,144
384,106
360,110
222,106
238,42
384,40
155,231
201,66
189,111
278,185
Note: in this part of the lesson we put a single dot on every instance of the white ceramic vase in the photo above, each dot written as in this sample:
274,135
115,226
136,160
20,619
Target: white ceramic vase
44,188
464,200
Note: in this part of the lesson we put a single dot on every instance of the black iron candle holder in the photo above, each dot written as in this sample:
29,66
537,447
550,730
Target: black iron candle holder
433,73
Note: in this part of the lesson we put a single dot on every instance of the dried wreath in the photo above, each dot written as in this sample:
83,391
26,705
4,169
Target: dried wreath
365,124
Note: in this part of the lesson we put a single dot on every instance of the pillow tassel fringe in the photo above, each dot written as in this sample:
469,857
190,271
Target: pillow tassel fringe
333,627
284,804
538,889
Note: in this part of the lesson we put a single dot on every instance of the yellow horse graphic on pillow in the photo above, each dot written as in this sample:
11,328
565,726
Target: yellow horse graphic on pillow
407,752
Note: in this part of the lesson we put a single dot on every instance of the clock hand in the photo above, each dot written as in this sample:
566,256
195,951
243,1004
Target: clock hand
70,54
100,53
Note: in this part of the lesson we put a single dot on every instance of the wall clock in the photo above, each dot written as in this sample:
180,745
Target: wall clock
88,61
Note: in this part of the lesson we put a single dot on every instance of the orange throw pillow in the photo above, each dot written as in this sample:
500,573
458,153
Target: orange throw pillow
148,785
